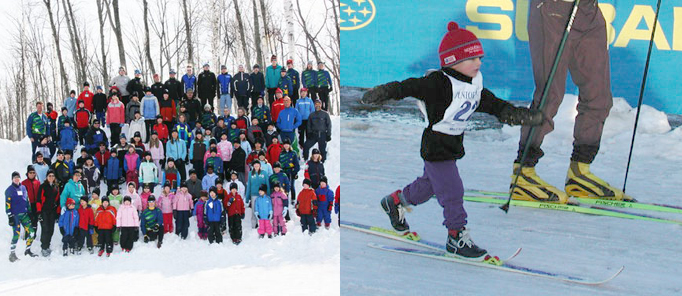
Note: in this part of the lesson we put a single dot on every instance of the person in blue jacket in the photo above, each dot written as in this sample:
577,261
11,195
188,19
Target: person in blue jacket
70,104
68,222
112,171
285,83
295,81
272,74
177,149
189,79
224,80
256,179
213,211
94,137
305,106
263,211
18,207
149,106
325,202
68,138
288,121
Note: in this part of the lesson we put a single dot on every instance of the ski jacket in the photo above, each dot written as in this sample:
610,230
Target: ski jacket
16,199
238,161
197,149
282,179
208,181
157,90
135,85
105,218
127,216
112,171
305,107
157,152
273,152
314,171
121,82
277,107
94,137
279,202
83,118
258,82
182,201
99,102
272,75
206,85
71,104
224,81
86,97
131,162
263,206
161,131
255,180
150,218
175,89
288,120
225,148
309,78
167,109
41,171
176,149
323,79
150,107
307,202
68,138
295,78
172,176
319,121
73,190
184,131
48,198
200,212
214,209
131,108
262,113
137,125
86,217
68,221
289,162
286,85
234,204
101,159
165,202
37,124
148,173
188,81
241,84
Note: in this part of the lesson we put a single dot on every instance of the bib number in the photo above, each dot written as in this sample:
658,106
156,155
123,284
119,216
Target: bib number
464,109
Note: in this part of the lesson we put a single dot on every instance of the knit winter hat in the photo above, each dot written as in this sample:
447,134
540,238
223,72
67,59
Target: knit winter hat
307,181
278,90
84,198
276,165
323,179
16,175
458,45
106,198
70,201
263,188
234,186
213,189
151,198
127,198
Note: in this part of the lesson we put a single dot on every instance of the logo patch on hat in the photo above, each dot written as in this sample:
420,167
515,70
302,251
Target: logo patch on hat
450,59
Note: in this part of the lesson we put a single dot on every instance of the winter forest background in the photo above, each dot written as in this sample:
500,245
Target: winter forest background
52,46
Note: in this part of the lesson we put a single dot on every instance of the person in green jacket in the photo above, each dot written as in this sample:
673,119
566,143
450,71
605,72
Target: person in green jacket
272,75
73,189
115,200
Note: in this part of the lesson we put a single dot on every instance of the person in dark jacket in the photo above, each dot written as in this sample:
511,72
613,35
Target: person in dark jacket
194,185
257,80
61,170
157,87
309,80
285,83
449,97
295,81
99,103
193,107
238,160
47,207
206,86
135,85
324,85
175,87
94,137
113,171
319,131
241,88
224,85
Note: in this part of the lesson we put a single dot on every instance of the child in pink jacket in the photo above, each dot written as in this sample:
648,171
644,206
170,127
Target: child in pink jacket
146,192
134,197
165,203
182,206
280,205
128,220
200,213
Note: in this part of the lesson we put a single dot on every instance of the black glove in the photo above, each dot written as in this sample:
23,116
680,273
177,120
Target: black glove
156,228
10,217
40,217
380,93
521,116
242,216
146,239
329,138
296,177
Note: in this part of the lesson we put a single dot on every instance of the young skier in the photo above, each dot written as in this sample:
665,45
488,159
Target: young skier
214,212
105,224
165,203
325,202
151,223
48,210
200,213
68,225
263,211
306,207
128,220
182,207
449,97
235,213
86,226
280,206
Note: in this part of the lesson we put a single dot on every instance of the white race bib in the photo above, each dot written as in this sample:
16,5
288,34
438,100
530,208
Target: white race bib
465,100
20,193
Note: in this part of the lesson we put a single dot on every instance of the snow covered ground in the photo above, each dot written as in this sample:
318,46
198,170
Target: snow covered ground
294,264
381,154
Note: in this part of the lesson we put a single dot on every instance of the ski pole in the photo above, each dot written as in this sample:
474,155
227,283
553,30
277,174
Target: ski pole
641,93
543,98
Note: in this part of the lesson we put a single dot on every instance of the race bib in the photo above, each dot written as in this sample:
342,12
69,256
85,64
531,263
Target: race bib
210,205
20,193
465,100
98,132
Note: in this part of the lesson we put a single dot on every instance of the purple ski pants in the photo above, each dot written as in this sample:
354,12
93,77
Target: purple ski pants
441,178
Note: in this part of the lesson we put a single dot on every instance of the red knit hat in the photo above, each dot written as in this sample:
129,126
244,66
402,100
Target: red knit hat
278,91
458,45
70,201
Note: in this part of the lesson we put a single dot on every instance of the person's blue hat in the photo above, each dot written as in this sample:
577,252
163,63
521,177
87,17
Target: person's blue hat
205,65
172,71
137,72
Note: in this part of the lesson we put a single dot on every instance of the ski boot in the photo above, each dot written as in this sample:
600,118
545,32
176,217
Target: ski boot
29,253
45,252
236,242
261,235
269,235
66,253
78,251
326,226
127,250
395,206
108,255
530,187
580,182
13,257
158,244
91,251
72,251
460,245
99,254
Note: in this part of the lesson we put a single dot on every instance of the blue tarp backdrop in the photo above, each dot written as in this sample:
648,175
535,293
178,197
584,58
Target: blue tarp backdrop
385,40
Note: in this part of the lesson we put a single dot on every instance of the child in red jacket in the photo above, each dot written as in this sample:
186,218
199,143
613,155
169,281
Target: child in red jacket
86,226
235,213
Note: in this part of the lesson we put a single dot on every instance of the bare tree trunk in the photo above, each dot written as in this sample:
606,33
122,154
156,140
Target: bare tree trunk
264,13
215,31
115,23
242,35
55,36
147,51
256,37
188,31
73,38
102,16
289,8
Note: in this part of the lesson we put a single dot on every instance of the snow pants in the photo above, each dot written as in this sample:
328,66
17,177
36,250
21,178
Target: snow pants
214,233
182,224
586,57
47,227
22,220
442,179
106,239
69,241
83,237
277,222
308,222
168,223
323,213
235,227
264,227
128,235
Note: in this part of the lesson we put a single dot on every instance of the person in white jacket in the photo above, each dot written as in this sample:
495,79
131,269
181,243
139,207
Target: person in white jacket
137,125
234,179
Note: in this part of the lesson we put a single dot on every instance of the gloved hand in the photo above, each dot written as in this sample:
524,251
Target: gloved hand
91,230
296,177
10,217
329,138
40,217
242,216
146,239
329,208
270,216
155,228
379,94
521,116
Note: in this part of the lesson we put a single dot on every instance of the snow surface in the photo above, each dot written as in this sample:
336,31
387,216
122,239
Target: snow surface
381,154
294,264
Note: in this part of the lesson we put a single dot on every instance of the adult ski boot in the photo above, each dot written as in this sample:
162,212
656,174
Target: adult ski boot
13,257
580,182
460,245
108,255
395,206
29,253
45,252
530,187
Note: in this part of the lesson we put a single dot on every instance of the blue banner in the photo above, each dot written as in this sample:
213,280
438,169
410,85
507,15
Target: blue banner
384,40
